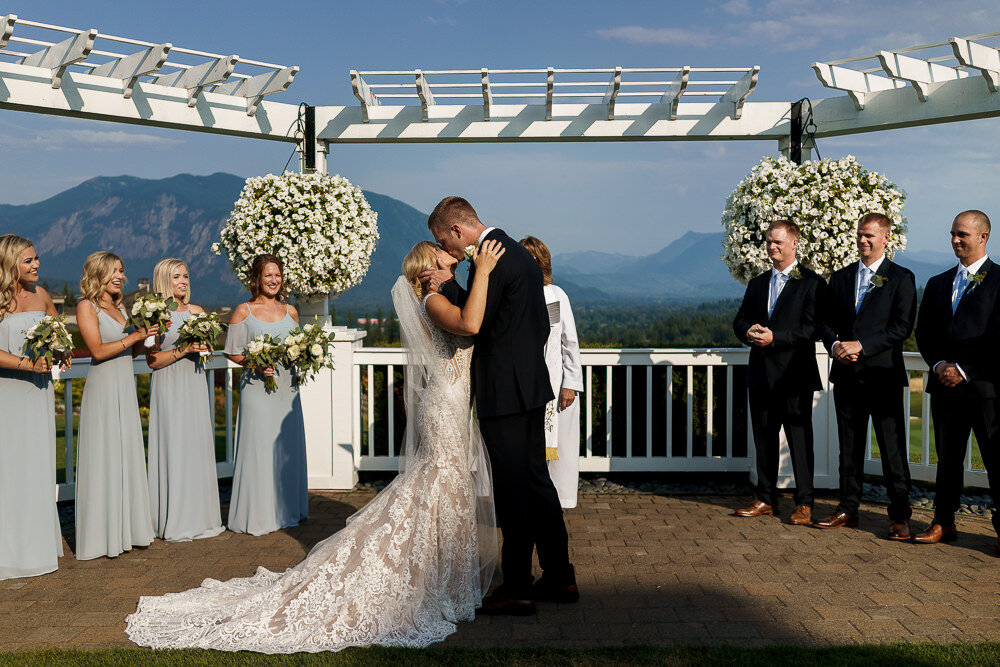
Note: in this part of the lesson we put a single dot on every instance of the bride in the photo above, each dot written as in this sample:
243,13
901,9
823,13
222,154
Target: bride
414,561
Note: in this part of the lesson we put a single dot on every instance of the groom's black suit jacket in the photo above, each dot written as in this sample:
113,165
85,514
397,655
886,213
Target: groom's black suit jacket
969,337
882,323
789,363
509,374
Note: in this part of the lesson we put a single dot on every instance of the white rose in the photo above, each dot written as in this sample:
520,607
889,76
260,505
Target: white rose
316,350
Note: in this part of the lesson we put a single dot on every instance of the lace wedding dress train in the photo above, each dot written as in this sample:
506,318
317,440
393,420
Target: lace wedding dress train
407,567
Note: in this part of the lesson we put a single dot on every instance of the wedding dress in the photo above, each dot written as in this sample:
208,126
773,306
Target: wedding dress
407,567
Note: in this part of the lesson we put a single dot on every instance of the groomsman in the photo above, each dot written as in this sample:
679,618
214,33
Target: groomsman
871,309
779,319
957,334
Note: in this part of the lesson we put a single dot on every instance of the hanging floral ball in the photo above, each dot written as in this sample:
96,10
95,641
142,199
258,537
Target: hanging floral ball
320,226
824,198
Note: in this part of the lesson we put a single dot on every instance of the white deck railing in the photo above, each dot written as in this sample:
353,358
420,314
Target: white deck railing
643,410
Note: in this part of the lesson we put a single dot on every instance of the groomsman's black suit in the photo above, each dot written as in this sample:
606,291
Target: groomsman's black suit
510,382
871,387
783,376
970,339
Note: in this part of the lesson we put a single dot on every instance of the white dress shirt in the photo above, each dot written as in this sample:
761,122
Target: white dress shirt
778,280
482,236
959,286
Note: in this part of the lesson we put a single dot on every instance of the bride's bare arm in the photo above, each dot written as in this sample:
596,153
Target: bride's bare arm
466,321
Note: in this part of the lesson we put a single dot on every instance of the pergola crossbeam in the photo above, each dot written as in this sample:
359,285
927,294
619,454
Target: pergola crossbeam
614,87
256,87
130,68
197,78
61,55
980,57
7,28
922,74
675,90
738,94
58,53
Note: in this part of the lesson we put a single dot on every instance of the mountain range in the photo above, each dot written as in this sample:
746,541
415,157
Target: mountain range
145,220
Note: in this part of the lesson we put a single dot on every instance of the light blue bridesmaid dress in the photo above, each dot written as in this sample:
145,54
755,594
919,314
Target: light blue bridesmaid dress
183,486
112,497
269,480
30,541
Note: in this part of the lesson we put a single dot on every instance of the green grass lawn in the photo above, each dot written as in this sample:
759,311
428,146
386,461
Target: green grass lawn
916,430
885,656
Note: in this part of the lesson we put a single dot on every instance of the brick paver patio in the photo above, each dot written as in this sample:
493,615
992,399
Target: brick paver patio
652,570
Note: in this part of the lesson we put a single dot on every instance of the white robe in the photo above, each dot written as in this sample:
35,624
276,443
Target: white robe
562,428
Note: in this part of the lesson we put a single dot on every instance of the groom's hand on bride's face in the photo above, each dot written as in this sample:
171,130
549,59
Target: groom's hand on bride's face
432,280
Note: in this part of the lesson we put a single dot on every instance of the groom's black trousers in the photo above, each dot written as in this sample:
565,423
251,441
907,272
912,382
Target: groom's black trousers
527,504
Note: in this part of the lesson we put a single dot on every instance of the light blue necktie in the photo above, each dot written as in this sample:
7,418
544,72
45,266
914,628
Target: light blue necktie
963,283
777,282
863,283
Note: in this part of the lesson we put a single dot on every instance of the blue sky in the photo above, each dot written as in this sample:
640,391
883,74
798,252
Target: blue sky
630,198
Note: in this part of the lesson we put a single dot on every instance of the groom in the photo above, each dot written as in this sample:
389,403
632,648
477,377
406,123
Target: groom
511,386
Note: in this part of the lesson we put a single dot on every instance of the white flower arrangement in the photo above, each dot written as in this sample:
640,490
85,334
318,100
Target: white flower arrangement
264,351
152,310
307,350
320,226
825,199
201,328
49,338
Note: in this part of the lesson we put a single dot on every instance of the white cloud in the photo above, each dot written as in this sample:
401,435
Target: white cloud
737,7
634,34
87,139
440,20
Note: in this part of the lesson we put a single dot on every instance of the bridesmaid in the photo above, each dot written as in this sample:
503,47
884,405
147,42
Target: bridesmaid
30,540
269,481
112,498
183,487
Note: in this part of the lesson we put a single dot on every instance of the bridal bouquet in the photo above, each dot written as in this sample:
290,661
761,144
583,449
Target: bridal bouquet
307,350
201,328
263,351
49,338
152,310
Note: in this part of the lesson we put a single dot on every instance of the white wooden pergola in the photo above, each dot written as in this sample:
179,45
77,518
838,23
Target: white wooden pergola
84,73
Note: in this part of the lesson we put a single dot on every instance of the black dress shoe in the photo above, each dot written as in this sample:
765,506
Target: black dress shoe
545,591
501,603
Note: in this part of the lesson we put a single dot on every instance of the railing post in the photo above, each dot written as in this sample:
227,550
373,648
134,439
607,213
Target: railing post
326,402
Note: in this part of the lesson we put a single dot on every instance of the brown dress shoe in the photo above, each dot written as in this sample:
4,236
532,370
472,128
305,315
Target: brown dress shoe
759,508
936,533
501,603
900,531
802,516
837,520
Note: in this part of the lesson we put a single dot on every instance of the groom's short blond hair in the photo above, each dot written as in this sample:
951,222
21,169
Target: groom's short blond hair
452,211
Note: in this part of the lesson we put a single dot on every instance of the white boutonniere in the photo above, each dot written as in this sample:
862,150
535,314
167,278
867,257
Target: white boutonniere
470,250
795,274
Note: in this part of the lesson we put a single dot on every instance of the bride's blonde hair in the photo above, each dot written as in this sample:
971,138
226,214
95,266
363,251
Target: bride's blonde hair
421,257
11,247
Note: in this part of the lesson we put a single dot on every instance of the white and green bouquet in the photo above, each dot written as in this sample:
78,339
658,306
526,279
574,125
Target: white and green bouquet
321,227
49,338
201,328
825,198
307,351
150,310
262,352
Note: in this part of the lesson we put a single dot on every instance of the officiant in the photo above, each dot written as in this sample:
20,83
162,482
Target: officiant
562,357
